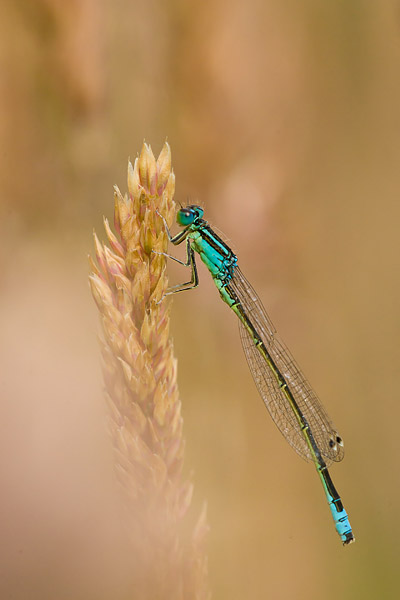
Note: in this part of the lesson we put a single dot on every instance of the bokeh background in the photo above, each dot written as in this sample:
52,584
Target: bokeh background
284,122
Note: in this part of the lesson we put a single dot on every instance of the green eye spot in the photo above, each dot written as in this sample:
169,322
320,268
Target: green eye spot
186,216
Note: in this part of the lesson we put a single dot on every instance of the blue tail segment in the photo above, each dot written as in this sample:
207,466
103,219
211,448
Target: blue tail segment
342,522
338,511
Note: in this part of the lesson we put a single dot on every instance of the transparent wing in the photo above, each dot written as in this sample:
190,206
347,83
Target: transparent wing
329,442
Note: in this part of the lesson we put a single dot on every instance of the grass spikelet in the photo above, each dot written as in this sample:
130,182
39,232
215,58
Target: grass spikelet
144,410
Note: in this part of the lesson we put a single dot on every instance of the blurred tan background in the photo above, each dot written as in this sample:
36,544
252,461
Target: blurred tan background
284,122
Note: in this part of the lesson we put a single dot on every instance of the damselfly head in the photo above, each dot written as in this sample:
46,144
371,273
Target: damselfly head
187,215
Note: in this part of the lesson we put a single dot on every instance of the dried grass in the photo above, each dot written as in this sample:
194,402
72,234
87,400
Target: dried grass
140,374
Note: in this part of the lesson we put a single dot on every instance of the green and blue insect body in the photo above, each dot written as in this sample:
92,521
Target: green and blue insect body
292,403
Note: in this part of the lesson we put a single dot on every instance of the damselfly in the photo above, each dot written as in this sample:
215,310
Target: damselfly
292,403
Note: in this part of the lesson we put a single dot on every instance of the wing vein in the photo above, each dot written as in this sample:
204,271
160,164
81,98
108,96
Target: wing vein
326,436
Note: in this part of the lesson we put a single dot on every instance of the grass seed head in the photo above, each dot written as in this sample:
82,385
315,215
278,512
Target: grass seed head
140,371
